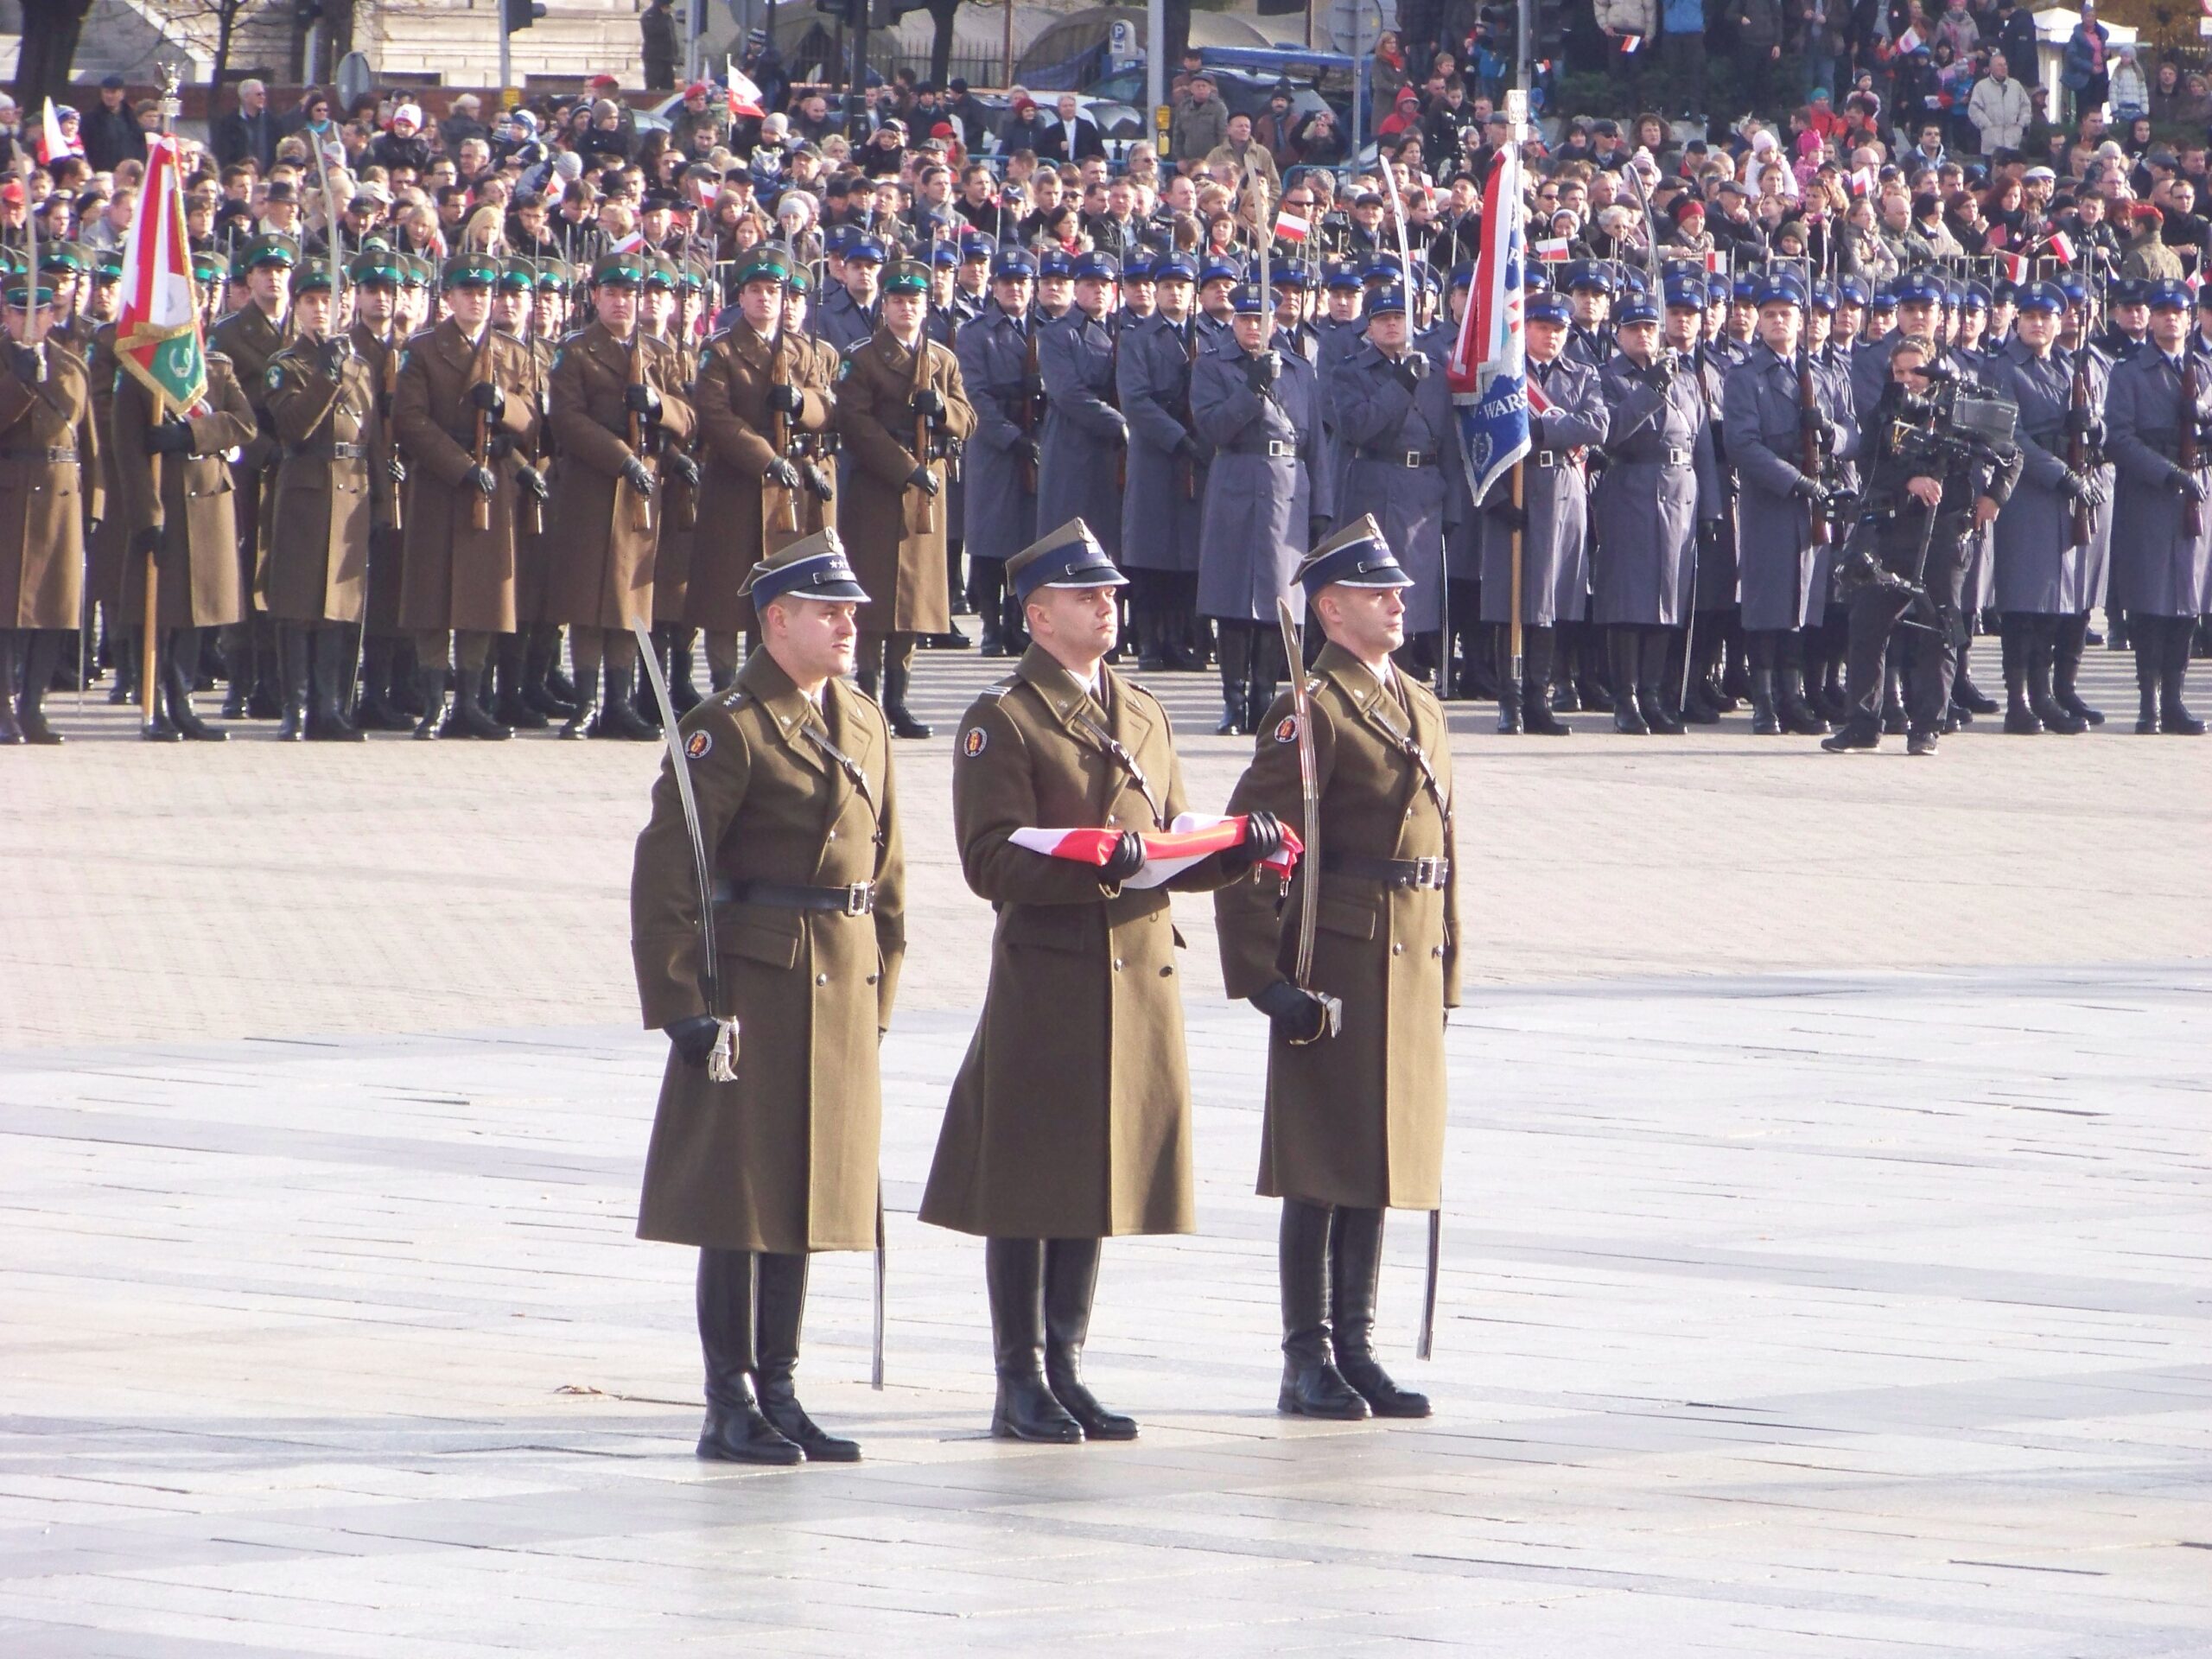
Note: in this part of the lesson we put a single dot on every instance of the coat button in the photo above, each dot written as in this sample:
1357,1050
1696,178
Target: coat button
1397,950
1117,964
821,979
1110,819
833,835
871,978
1435,950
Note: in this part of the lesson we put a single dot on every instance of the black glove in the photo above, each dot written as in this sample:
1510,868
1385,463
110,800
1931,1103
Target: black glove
694,1038
2096,434
1708,535
145,543
1659,373
1810,420
172,437
533,480
489,398
816,480
2078,422
337,352
1186,447
499,445
398,469
1263,841
1317,530
781,474
641,399
685,468
1125,860
1262,371
1829,436
638,477
929,405
1808,488
786,399
1301,1016
28,361
2191,484
483,480
1508,517
1410,370
1026,451
924,480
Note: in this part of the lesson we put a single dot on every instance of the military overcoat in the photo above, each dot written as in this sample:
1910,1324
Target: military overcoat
903,570
1380,429
2041,567
1555,494
1268,478
316,566
198,560
1165,488
600,557
784,1159
2158,569
1086,436
994,369
454,575
1357,1118
731,402
382,355
107,541
1659,482
1070,1116
50,481
1781,575
251,339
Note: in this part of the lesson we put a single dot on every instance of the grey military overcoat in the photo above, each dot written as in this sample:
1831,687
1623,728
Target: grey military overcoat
1659,482
1265,482
1002,506
1080,476
1382,427
1162,503
2158,569
1781,576
2041,568
1555,492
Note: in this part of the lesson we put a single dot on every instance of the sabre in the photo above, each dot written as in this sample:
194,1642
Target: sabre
722,1063
1309,793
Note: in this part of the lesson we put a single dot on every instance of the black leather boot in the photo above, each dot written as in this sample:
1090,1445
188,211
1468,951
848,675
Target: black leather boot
2174,717
2043,646
176,681
1355,1280
10,733
1798,717
293,672
377,712
511,704
781,1292
587,706
1764,721
469,719
2015,639
1510,719
1025,1409
903,724
1071,1282
334,660
1652,650
683,694
618,717
2150,643
431,688
1620,665
736,1432
41,654
539,658
1312,1385
1539,651
2072,640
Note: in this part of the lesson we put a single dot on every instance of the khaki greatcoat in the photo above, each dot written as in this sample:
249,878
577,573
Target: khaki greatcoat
903,571
382,356
44,502
731,398
599,574
1070,1116
784,1158
454,575
251,339
196,508
315,565
1358,1118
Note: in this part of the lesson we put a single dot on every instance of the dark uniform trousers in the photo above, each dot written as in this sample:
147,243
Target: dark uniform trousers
1928,653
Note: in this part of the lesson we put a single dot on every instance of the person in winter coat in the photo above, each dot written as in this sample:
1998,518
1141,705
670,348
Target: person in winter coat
2131,94
1998,109
2087,71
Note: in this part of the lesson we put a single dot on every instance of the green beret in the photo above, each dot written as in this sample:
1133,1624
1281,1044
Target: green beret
907,276
470,270
619,271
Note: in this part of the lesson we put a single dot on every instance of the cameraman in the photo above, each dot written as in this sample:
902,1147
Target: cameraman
1927,490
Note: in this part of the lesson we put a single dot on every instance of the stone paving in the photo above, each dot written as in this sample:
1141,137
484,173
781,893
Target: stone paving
1825,1242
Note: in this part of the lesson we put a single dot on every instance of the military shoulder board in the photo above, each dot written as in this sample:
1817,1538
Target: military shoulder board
995,692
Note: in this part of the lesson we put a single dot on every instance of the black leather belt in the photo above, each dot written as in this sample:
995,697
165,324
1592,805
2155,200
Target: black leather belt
854,899
1406,458
335,452
1273,449
1661,456
1390,871
56,454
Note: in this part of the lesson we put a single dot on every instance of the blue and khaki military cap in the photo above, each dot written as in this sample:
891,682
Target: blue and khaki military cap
1719,292
1013,264
907,276
1549,307
1636,309
1067,557
2168,295
619,271
2075,290
312,276
1287,275
1097,268
2041,296
814,567
1356,557
1884,299
1744,290
2123,290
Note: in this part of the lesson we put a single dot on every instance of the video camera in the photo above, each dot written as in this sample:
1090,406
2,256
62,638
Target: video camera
1956,422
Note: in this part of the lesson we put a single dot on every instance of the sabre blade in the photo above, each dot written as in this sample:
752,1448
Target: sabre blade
701,867
1309,792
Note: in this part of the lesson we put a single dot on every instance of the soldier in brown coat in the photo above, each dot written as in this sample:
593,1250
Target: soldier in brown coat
251,336
792,770
380,336
666,304
321,401
514,307
903,419
180,500
760,380
607,379
1355,1118
104,540
1071,1119
458,579
49,485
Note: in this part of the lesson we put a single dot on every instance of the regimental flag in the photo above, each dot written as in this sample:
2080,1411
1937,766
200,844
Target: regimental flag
1289,227
157,338
52,143
744,95
1488,368
1168,854
2062,246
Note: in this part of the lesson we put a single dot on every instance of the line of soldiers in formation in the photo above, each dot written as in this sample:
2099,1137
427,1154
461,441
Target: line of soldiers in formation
430,474
1069,1121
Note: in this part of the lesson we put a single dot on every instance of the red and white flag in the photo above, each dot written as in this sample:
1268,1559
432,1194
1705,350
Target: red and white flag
52,142
2014,265
1906,44
1630,44
1167,853
1862,181
1551,250
1716,263
635,239
2062,244
1289,227
744,96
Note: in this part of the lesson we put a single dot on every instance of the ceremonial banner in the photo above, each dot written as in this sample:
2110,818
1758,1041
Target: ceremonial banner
1488,370
157,337
1168,854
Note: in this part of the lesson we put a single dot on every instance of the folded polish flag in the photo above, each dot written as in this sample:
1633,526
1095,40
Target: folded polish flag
1168,854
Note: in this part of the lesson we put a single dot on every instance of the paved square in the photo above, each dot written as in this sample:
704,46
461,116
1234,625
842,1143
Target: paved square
1825,1248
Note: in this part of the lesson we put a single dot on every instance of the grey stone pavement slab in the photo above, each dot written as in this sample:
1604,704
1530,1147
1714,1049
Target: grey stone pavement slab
1826,1314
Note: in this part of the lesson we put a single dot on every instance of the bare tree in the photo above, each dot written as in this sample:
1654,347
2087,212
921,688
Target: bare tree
49,46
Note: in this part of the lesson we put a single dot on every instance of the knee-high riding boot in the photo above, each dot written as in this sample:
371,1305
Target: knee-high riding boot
736,1432
1013,1275
1312,1384
780,1295
1354,1280
1071,1282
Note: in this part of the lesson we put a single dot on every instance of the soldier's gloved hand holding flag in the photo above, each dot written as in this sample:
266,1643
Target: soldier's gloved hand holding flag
1167,853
